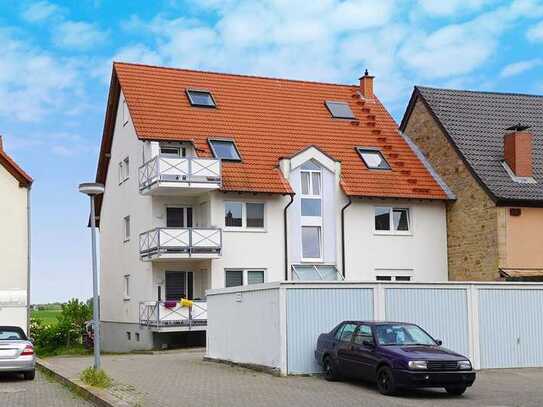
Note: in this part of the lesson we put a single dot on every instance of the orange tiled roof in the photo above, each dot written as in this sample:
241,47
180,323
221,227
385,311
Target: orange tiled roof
11,166
270,119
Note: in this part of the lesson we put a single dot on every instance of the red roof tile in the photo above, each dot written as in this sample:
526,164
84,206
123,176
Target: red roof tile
270,119
11,166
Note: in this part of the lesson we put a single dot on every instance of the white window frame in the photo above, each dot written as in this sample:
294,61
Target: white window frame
124,169
126,287
245,275
244,226
391,231
315,221
181,150
126,115
127,228
185,214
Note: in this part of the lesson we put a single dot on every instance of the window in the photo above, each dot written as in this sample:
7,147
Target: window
395,220
391,278
173,151
236,278
255,277
248,215
255,215
338,332
339,110
383,278
402,335
179,284
127,287
363,334
347,332
200,98
128,335
126,226
124,170
137,336
373,159
311,242
126,114
178,217
225,150
311,190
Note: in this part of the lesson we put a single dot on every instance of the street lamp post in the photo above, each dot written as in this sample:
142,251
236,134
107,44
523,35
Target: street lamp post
92,190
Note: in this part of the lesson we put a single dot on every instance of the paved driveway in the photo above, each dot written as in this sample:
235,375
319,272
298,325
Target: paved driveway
41,392
183,378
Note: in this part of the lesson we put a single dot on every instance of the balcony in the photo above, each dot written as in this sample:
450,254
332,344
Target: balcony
163,244
171,316
179,175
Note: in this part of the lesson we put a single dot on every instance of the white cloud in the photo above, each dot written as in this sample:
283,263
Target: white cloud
535,33
78,35
40,11
520,67
451,7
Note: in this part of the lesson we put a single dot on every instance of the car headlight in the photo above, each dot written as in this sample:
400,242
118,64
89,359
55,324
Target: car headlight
418,364
464,365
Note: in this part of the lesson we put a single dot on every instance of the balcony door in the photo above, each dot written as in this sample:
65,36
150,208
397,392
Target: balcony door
179,217
179,284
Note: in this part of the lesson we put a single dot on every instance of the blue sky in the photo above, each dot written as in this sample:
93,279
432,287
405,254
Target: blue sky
56,63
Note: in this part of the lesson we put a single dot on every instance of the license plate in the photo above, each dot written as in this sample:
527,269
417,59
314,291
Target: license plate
7,353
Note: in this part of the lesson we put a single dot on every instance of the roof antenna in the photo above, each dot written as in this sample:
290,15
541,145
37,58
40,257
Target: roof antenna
366,73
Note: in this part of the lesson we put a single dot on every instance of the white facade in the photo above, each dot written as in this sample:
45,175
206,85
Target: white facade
249,253
14,271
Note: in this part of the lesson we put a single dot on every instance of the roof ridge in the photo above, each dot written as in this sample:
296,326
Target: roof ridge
479,91
233,74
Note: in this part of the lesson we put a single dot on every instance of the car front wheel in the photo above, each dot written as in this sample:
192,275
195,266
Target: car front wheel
29,375
330,372
456,390
385,381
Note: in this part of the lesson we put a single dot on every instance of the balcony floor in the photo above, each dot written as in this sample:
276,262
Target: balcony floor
169,188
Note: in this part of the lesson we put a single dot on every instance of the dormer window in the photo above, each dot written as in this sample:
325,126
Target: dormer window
339,110
202,98
225,150
373,158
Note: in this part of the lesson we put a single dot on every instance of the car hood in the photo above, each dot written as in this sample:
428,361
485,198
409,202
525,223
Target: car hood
425,352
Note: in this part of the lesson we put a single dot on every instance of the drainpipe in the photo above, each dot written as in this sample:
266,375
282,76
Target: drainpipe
343,236
28,259
285,225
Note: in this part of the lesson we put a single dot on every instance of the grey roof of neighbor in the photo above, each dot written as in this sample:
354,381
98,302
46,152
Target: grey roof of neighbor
476,122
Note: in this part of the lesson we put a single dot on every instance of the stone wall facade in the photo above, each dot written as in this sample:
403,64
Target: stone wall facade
472,220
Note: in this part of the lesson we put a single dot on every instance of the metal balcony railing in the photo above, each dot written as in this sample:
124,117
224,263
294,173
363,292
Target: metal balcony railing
185,170
188,241
160,314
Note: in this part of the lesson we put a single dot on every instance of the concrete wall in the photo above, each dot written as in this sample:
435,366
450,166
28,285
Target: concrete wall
422,253
485,325
472,220
115,338
13,245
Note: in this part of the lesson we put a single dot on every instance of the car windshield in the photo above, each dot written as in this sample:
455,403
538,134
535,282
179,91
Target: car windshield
10,335
402,334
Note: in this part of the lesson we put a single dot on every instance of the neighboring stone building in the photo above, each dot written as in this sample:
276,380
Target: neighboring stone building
14,242
488,148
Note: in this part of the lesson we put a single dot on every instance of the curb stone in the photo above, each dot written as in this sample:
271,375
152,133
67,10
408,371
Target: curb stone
98,397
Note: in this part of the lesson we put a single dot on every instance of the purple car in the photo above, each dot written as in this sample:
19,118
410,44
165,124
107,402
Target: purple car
396,355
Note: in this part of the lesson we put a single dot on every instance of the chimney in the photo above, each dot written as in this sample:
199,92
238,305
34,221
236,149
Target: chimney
517,150
366,85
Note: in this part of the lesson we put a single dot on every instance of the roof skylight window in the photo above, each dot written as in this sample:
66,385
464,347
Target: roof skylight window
339,110
224,149
202,98
373,158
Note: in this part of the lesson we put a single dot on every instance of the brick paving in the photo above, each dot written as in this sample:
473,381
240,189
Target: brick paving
40,392
182,378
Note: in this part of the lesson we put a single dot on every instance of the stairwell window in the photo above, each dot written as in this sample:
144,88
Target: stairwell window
390,220
124,170
311,211
126,287
311,243
126,228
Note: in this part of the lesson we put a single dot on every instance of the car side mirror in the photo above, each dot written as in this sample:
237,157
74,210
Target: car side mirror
368,343
439,342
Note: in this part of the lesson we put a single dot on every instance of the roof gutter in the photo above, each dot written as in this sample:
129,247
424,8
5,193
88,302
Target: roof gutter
343,236
28,258
285,225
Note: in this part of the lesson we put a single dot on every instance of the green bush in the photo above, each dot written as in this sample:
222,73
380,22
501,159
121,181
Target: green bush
49,339
95,377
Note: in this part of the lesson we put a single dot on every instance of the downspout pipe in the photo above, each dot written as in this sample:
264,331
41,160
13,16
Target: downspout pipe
285,225
28,257
343,236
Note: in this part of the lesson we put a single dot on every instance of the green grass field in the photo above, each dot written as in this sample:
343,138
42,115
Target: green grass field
47,316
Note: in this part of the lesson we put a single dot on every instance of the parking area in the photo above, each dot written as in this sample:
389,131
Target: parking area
182,378
40,392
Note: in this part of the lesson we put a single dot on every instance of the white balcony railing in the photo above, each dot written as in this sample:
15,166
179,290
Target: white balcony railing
162,314
186,242
180,171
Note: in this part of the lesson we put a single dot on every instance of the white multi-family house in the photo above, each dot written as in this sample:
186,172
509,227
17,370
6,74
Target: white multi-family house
218,180
14,242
